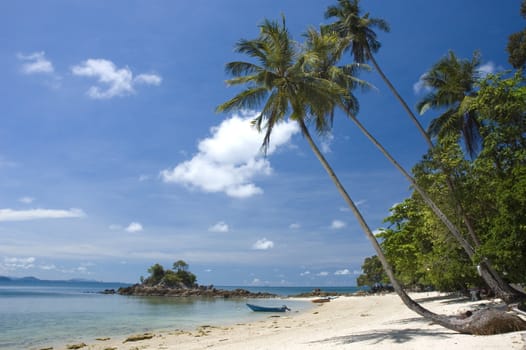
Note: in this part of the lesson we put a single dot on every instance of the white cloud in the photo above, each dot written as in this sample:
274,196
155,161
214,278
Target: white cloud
360,202
489,68
148,79
134,227
256,281
34,214
305,273
219,227
263,244
143,178
35,62
295,226
337,224
322,274
230,159
26,200
420,86
378,231
18,263
48,267
326,143
115,81
343,272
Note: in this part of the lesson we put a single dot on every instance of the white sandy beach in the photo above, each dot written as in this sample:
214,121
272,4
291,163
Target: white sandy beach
371,322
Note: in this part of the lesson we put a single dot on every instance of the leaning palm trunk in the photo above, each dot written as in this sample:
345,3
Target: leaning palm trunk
491,277
483,322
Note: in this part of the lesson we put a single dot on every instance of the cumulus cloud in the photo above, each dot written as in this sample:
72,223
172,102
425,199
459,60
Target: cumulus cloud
295,226
230,159
219,227
35,63
35,214
343,272
305,273
322,274
112,81
263,244
134,227
337,224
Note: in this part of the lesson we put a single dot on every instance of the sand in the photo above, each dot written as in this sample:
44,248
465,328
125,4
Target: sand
367,322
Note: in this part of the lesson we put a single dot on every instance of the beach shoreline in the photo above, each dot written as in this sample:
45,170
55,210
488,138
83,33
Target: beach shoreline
353,322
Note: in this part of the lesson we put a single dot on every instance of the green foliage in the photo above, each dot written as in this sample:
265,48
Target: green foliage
419,248
156,274
491,190
373,272
179,276
517,44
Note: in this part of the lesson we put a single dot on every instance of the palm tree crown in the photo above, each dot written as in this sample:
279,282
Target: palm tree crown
452,80
357,30
277,81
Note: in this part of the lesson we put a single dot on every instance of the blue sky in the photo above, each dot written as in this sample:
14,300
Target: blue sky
112,157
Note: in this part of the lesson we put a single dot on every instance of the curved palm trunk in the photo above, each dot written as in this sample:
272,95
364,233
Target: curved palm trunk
410,303
487,272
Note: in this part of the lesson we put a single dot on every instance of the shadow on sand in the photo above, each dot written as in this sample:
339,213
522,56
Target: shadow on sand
445,299
397,336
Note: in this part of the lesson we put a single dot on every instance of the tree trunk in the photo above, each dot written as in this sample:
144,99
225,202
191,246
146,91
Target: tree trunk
494,323
487,272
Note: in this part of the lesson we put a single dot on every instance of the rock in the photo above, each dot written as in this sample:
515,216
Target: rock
197,291
138,337
76,346
108,291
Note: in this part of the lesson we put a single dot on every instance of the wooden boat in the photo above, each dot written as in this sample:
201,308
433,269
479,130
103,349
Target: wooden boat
268,309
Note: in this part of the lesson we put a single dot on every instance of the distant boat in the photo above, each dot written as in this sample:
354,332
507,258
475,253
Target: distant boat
268,309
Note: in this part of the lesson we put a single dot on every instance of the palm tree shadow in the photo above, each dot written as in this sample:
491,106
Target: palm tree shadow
445,299
398,336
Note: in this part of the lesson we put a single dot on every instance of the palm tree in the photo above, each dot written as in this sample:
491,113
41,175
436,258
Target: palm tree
281,85
358,33
323,53
451,80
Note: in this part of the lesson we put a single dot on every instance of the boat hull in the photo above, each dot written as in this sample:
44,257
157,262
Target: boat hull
258,308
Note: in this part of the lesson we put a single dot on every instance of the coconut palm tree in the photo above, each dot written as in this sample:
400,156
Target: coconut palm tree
357,32
285,90
322,51
451,80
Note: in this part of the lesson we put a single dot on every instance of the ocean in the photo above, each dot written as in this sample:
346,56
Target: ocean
38,314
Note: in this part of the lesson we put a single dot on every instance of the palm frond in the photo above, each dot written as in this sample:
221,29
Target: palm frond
248,99
239,68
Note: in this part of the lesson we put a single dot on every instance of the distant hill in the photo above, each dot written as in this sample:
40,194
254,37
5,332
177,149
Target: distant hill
35,279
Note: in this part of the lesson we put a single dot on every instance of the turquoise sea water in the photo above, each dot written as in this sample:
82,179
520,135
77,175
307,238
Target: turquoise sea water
36,314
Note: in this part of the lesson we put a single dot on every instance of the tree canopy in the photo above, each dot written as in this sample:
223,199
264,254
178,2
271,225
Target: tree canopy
178,277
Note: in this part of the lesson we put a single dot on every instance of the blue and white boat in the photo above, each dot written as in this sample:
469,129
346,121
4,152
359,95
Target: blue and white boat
268,309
